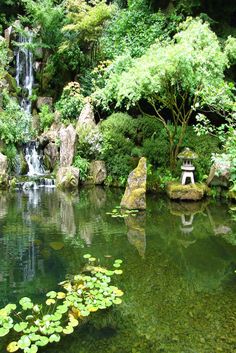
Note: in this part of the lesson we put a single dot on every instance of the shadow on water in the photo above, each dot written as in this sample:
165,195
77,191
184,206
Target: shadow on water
179,262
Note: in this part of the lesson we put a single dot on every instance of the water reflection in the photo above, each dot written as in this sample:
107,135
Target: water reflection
183,275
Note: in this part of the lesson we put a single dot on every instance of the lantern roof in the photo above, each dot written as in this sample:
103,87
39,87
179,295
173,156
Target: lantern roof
187,154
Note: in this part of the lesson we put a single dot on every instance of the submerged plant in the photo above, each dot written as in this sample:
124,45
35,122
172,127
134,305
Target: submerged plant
117,212
36,325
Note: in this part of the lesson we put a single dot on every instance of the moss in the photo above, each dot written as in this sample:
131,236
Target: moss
177,191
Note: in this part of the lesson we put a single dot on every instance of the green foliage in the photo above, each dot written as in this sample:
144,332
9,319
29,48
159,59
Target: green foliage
37,325
14,122
46,117
182,76
89,143
11,152
135,29
48,18
71,101
83,165
3,58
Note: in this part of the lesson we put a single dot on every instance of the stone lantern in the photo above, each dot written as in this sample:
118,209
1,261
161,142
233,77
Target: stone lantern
187,156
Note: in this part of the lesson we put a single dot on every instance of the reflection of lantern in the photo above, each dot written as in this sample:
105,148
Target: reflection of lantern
187,223
187,167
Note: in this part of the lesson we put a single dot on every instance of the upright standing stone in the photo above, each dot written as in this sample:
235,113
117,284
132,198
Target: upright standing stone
86,118
135,192
67,147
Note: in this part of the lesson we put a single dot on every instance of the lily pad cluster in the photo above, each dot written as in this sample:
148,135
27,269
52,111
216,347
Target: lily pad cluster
36,325
119,212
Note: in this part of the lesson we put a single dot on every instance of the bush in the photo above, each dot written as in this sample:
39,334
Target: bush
46,117
83,165
14,122
71,101
89,143
120,123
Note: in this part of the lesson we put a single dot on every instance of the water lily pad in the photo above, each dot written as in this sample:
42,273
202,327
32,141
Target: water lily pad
54,338
32,349
50,302
12,347
68,330
3,331
20,327
61,295
51,295
86,256
24,342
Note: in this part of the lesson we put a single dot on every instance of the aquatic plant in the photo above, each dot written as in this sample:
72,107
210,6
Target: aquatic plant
36,325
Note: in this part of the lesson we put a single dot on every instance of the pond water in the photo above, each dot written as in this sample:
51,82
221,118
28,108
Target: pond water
179,263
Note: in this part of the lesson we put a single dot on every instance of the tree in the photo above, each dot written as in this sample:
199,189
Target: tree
176,78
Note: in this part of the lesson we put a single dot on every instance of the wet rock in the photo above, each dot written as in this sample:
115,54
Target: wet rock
51,155
86,118
135,192
67,178
67,146
97,173
194,192
44,101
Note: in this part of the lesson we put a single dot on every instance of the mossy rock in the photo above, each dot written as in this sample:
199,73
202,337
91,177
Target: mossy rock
194,192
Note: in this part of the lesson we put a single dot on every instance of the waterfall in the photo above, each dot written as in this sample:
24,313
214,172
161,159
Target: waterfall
33,159
24,69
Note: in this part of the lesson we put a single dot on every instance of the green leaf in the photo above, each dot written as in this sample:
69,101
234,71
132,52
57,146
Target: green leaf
86,256
54,338
4,331
51,294
20,327
24,342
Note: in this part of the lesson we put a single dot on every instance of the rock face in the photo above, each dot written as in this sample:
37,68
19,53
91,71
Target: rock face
3,163
86,118
97,172
135,192
219,175
68,144
44,101
4,179
67,178
50,155
192,192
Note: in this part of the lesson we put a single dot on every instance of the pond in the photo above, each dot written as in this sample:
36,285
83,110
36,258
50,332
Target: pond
179,267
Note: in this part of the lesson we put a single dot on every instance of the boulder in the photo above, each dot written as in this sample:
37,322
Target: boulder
193,192
135,192
7,34
3,163
67,146
219,174
51,155
67,178
86,118
97,172
44,101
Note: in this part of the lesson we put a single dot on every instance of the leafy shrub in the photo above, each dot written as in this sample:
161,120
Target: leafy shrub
71,101
11,152
89,143
46,117
83,165
14,122
120,123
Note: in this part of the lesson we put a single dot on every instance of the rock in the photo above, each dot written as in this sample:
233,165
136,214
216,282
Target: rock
195,192
97,172
219,174
67,178
51,155
44,101
135,192
7,35
68,145
86,118
3,163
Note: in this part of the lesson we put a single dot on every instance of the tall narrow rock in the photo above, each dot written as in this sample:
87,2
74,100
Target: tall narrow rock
67,147
86,118
135,192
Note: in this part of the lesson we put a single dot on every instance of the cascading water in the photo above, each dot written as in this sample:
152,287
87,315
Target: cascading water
25,80
24,69
33,159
